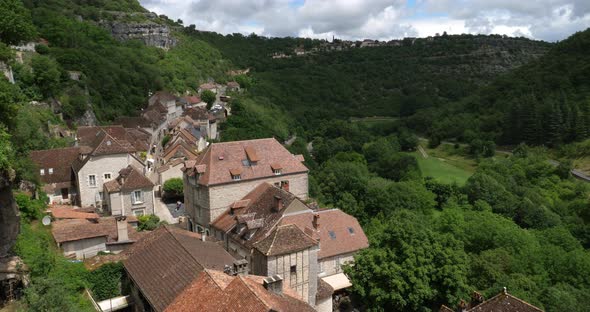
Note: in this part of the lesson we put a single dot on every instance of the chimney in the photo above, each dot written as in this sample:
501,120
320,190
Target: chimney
278,204
316,221
203,235
240,267
122,234
274,284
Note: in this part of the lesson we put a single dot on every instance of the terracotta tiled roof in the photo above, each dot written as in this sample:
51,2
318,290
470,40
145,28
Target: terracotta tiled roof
77,229
60,160
261,204
219,158
167,260
67,212
504,302
132,122
283,240
163,96
193,99
196,113
180,150
339,233
87,135
129,179
216,291
324,290
139,138
207,86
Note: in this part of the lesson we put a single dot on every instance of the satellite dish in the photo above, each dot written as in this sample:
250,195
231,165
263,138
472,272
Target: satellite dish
46,220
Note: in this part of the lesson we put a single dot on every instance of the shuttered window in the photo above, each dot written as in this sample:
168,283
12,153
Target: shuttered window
137,197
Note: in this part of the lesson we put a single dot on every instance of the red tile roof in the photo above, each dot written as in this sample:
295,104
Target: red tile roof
60,160
285,239
233,84
193,99
216,291
129,179
167,260
77,229
504,302
197,113
339,233
67,212
87,135
220,158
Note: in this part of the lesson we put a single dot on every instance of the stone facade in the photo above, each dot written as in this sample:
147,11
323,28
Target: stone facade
333,265
120,203
299,270
172,172
85,248
104,168
204,204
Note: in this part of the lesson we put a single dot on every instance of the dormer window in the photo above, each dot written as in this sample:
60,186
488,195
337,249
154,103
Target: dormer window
277,171
42,172
50,170
236,177
236,174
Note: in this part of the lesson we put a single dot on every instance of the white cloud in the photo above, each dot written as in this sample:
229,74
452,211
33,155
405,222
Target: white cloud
381,19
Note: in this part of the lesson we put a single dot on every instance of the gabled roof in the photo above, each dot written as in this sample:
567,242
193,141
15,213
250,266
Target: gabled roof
180,149
193,99
162,96
129,179
60,160
339,232
219,292
78,229
233,84
504,302
87,135
139,138
108,145
220,158
197,113
284,239
132,122
166,261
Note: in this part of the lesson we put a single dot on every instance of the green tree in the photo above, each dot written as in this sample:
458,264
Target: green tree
15,22
173,188
46,74
208,97
149,222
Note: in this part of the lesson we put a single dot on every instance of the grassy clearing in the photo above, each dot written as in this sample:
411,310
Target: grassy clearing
374,121
446,163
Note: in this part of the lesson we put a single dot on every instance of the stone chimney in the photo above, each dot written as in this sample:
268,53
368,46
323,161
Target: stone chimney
278,204
274,284
316,221
122,234
240,267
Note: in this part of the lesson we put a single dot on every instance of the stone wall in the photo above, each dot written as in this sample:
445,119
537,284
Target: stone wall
299,272
333,265
85,248
98,166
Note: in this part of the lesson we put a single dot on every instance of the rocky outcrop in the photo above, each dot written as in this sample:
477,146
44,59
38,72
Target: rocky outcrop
88,119
152,34
9,215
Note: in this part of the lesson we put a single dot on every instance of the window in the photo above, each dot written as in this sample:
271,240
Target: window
351,231
246,163
138,212
236,177
136,197
42,172
294,269
50,170
107,176
332,234
92,180
277,171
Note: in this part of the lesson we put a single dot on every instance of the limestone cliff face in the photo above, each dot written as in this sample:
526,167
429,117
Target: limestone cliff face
9,215
152,34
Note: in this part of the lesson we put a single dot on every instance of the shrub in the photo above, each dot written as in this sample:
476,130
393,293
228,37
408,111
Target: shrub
149,222
174,188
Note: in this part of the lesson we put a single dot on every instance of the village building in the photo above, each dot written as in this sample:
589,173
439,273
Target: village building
167,100
101,157
130,194
277,233
226,172
85,238
55,171
165,262
503,302
193,101
61,212
208,86
233,86
216,291
172,169
204,123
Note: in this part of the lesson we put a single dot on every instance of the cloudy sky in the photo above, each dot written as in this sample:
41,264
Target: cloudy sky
381,19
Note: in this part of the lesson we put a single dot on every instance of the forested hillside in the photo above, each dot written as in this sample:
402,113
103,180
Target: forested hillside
544,102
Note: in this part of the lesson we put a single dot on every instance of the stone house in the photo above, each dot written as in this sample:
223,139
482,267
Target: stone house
165,262
193,101
172,169
98,162
278,234
130,194
85,238
55,171
208,86
226,172
233,86
168,101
